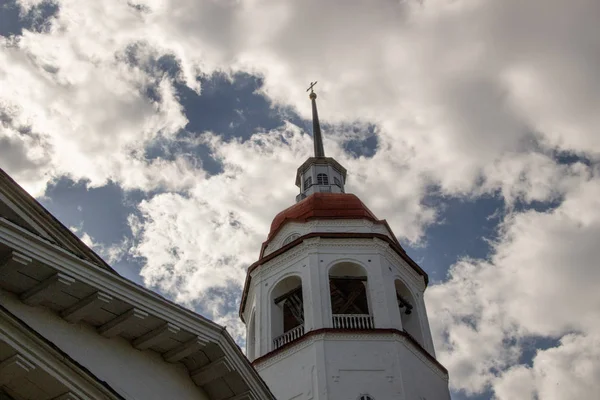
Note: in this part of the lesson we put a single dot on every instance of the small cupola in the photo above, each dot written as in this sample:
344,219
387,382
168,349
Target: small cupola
319,174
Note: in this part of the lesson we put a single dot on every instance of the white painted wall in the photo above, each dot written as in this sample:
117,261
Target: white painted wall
291,377
311,262
336,366
136,375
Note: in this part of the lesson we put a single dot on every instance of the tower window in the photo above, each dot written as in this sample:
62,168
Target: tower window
336,181
287,311
349,297
366,397
322,179
408,313
307,182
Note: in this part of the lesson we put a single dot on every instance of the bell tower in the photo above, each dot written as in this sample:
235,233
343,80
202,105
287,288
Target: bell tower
334,306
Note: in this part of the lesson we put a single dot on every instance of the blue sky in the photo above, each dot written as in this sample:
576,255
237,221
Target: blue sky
157,141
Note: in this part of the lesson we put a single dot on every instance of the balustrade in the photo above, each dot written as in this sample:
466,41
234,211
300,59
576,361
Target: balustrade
289,336
353,321
340,321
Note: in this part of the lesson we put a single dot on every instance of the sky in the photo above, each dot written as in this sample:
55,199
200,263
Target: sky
166,134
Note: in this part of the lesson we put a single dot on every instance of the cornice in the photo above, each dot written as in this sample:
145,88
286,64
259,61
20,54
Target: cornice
359,335
320,225
407,273
91,274
371,219
259,364
114,285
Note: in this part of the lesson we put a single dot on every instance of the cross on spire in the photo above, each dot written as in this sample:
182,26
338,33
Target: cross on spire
318,140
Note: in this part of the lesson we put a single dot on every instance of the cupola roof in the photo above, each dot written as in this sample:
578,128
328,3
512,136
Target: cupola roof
322,206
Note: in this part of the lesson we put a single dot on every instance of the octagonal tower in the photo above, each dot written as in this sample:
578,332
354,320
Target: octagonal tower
334,306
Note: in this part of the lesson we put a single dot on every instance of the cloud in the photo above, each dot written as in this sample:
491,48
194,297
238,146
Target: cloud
539,282
568,371
71,107
451,88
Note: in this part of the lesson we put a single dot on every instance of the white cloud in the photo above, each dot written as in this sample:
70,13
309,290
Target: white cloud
539,282
569,371
71,107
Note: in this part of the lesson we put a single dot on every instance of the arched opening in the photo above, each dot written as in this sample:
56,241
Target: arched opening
287,311
322,179
251,339
348,290
408,311
290,238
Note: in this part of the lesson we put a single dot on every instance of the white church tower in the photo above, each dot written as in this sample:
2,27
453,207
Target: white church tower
334,306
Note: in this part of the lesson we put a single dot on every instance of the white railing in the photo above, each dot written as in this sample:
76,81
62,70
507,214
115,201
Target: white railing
289,336
353,321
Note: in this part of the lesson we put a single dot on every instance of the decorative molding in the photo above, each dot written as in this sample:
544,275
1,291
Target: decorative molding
46,289
119,324
289,257
316,243
155,336
85,307
407,273
328,226
354,335
185,349
293,348
212,371
14,367
294,255
14,258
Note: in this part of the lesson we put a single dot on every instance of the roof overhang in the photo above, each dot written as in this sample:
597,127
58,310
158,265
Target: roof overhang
44,274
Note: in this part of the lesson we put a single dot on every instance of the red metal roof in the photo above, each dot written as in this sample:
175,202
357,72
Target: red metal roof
322,206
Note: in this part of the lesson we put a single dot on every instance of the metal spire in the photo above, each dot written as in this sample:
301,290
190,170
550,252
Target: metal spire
318,139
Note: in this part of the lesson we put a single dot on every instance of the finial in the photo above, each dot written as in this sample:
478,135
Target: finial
312,95
318,140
